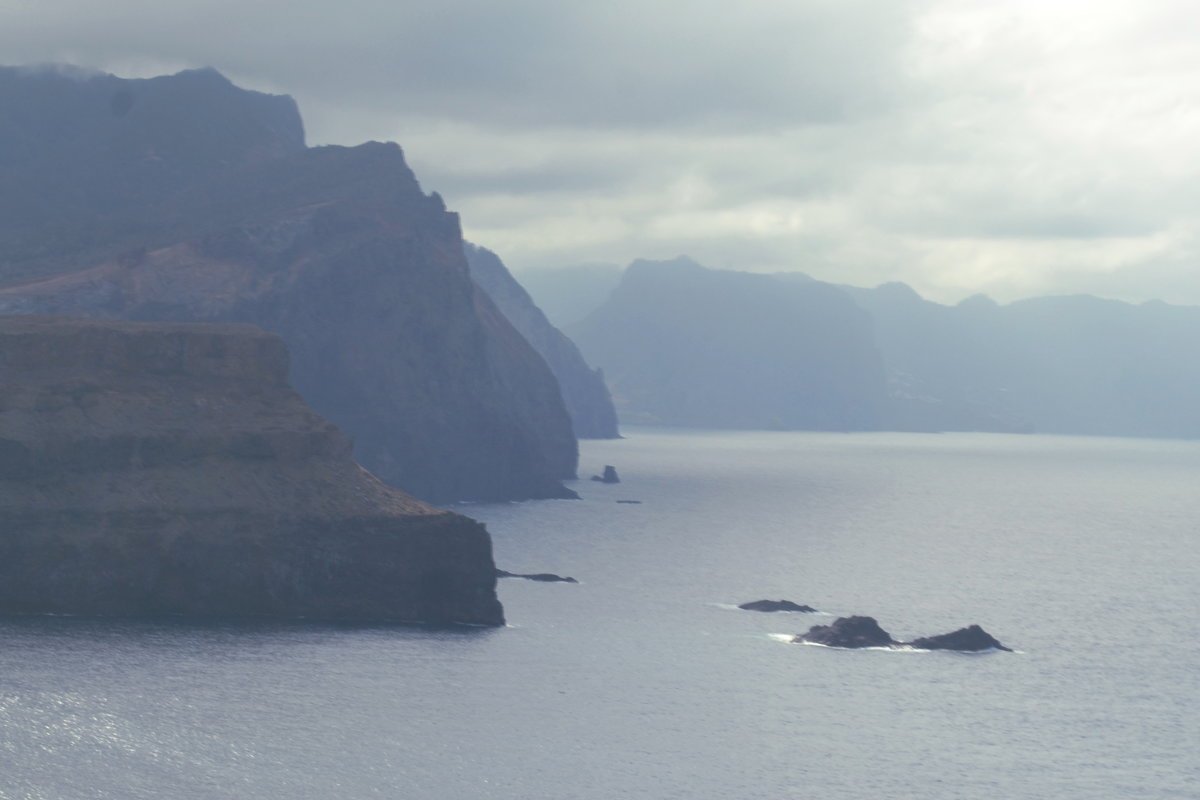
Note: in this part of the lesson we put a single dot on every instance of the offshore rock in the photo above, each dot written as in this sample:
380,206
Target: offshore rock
542,577
776,605
186,198
169,469
970,639
609,476
850,632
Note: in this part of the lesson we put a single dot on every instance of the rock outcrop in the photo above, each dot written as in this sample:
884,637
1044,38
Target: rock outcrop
337,249
857,632
540,577
776,605
609,475
972,638
169,469
853,632
583,389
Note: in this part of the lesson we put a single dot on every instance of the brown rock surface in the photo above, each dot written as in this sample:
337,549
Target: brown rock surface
168,468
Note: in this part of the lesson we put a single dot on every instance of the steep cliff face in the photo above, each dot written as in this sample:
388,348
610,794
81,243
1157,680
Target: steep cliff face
162,468
81,153
338,250
685,345
583,389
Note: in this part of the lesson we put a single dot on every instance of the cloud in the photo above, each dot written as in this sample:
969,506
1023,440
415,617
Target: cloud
625,63
958,145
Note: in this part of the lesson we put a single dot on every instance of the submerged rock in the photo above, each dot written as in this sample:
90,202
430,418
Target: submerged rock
776,605
544,577
848,632
609,476
970,639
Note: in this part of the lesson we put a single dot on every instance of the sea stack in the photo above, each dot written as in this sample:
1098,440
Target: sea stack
609,476
151,469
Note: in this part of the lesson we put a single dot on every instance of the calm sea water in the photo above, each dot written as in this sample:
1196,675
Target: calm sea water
642,681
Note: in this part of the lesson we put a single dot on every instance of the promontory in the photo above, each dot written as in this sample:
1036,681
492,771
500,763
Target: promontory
169,469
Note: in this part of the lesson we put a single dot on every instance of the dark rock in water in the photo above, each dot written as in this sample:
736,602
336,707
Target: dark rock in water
970,639
544,577
848,632
609,476
776,605
631,502
168,469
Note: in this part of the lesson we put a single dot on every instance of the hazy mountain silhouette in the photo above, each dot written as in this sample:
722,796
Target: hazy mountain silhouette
568,294
1070,364
186,198
583,389
684,345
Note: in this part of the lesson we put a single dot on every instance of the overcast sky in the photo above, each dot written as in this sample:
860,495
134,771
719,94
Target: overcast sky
1011,147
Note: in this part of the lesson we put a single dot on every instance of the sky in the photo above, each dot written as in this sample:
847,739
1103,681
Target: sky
1007,147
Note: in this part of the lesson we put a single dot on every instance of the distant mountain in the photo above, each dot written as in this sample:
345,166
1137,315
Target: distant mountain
684,345
942,362
568,294
583,389
185,198
1072,364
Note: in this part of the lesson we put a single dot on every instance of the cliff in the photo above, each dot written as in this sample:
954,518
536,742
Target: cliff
583,390
337,249
689,346
82,154
1065,365
168,469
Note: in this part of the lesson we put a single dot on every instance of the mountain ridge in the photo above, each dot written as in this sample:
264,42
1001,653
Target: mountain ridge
336,248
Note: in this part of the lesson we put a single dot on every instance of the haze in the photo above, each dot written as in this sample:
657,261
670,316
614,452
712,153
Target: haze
1016,148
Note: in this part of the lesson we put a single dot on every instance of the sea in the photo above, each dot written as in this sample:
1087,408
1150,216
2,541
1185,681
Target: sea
644,679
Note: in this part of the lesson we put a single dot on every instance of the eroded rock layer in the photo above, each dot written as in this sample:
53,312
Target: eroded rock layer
169,469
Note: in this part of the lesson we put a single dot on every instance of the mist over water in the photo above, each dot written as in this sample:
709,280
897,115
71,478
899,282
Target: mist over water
642,680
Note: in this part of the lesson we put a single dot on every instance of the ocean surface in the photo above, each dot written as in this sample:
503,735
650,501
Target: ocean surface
644,681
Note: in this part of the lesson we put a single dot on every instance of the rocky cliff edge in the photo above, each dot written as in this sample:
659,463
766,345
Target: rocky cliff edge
169,469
